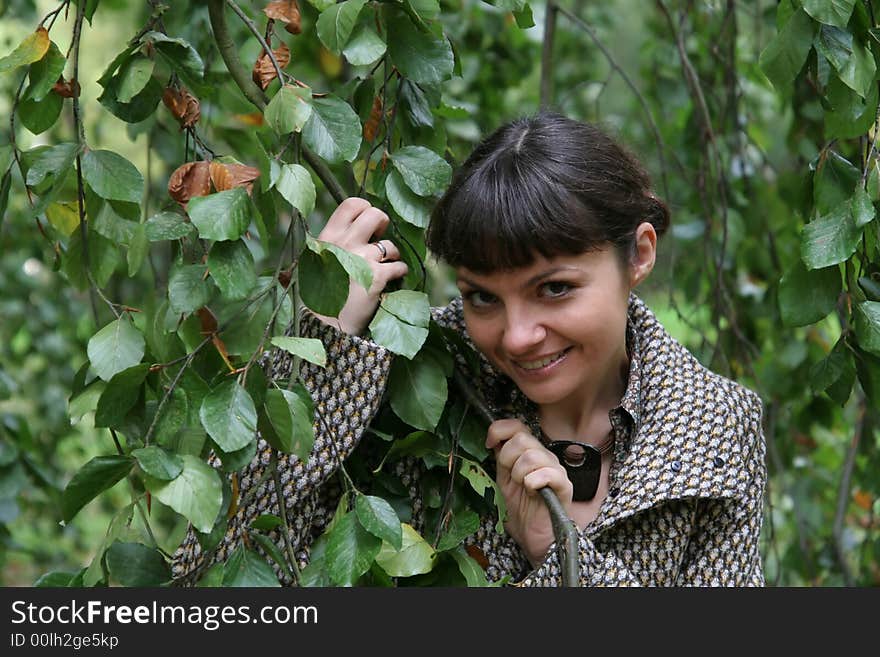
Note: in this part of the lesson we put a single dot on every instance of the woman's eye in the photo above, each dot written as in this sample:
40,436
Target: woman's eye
555,289
480,299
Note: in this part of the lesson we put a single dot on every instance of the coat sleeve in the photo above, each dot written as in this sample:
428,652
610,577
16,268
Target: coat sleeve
724,549
347,394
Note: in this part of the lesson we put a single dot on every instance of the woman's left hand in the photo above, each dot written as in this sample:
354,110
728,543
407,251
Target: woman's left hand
524,466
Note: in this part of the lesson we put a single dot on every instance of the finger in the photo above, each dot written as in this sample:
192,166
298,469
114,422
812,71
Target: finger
531,460
387,271
555,478
368,223
381,251
343,216
502,430
513,448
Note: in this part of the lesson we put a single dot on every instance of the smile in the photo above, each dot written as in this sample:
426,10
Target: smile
532,365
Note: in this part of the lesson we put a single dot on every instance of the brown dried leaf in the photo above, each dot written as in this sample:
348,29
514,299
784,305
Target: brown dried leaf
66,88
254,118
478,555
287,12
207,320
189,180
183,105
242,175
220,176
264,71
371,127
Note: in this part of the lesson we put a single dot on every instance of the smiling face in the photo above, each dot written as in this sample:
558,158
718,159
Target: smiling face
557,327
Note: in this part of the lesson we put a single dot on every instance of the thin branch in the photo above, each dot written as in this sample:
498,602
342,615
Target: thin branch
253,28
547,54
229,53
661,148
844,493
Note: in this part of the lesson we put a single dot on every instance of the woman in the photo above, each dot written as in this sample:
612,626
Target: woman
549,226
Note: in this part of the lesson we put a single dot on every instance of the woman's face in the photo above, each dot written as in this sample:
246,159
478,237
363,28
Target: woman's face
557,327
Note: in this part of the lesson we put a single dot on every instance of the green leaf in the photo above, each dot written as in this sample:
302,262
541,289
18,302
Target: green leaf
50,161
830,12
336,23
222,215
463,524
45,72
247,568
354,265
808,295
410,206
480,481
364,47
91,480
473,573
850,115
834,183
134,564
31,49
141,106
830,240
272,550
229,416
428,10
418,391
379,518
835,44
351,550
871,287
322,282
112,177
116,347
138,248
196,493
423,171
158,463
107,220
266,522
39,116
168,226
120,395
867,325
784,56
525,20
309,349
179,54
295,184
333,130
862,207
232,268
289,109
415,556
103,260
401,322
188,289
420,57
858,72
134,77
829,370
291,414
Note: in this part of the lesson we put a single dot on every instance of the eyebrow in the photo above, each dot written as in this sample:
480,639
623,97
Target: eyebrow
537,278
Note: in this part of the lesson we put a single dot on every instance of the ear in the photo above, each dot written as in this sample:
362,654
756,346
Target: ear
645,254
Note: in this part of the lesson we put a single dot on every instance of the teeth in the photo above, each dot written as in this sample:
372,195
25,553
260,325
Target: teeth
537,364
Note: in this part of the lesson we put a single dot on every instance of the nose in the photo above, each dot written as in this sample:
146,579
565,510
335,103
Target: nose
522,332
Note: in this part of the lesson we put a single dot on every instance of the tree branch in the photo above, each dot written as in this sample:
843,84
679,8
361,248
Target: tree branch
844,493
229,53
547,54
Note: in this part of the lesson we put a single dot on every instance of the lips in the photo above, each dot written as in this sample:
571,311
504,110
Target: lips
540,363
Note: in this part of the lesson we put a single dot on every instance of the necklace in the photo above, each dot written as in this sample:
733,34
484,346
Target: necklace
582,463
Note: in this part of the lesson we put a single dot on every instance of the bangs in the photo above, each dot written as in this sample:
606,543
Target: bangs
505,214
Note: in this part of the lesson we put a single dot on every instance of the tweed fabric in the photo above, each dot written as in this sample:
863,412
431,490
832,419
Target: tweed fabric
686,484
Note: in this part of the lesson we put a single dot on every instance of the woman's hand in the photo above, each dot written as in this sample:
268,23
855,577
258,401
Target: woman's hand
357,227
524,466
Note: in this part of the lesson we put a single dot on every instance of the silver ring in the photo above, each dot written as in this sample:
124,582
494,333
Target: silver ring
382,250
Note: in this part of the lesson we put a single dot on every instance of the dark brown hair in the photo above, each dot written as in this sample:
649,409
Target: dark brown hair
542,184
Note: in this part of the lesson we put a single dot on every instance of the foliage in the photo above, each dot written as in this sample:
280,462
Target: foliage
161,224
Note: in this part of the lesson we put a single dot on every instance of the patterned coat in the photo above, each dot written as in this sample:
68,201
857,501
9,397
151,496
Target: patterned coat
686,485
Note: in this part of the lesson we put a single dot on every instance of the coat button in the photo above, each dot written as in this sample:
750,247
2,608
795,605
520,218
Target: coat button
718,461
676,466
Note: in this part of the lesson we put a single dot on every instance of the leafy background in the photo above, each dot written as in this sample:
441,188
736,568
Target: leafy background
756,119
